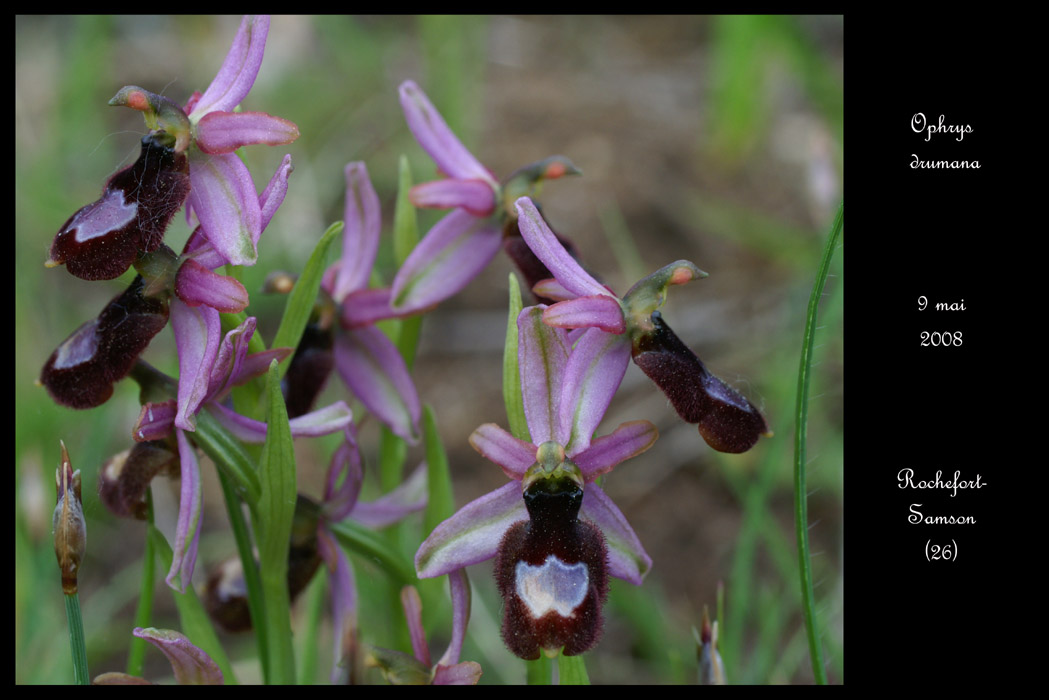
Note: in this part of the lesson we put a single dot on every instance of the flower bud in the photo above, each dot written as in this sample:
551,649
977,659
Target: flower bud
726,419
68,524
552,573
101,240
80,373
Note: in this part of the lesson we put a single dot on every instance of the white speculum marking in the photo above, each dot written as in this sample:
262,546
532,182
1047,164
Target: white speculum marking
108,214
79,347
553,585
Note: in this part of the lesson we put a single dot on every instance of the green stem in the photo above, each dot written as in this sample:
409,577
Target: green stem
801,423
571,670
144,612
76,640
539,672
252,582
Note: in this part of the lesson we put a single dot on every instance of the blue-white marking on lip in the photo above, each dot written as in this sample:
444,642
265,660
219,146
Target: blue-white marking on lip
553,585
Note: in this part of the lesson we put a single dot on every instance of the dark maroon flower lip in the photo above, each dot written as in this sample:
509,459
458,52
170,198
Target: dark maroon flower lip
81,372
102,240
726,419
552,573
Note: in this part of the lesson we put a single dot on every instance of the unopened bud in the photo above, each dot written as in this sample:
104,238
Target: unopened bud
711,667
68,524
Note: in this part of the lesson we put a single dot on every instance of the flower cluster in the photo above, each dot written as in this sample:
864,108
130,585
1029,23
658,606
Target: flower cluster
553,532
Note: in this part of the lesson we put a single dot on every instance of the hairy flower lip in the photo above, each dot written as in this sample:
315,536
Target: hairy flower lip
566,393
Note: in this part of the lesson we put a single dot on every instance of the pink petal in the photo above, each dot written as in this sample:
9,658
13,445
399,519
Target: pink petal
409,497
549,250
455,251
190,664
433,134
459,589
276,189
187,532
226,204
593,373
596,311
626,441
413,613
627,559
375,372
225,132
366,306
360,236
473,534
345,475
465,673
542,353
198,333
496,445
475,196
552,289
238,72
343,602
196,285
155,421
323,421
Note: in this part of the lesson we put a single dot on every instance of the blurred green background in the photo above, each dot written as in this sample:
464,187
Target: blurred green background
713,139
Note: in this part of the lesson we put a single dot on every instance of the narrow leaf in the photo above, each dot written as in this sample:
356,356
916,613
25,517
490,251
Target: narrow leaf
801,419
303,295
276,510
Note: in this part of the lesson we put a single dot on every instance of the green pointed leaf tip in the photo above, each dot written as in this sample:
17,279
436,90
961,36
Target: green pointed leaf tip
276,512
304,295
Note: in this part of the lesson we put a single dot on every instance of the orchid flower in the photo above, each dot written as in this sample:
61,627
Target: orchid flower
401,669
555,534
190,664
726,419
208,130
462,243
231,366
368,362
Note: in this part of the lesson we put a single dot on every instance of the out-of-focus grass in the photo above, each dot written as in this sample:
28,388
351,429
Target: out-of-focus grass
713,139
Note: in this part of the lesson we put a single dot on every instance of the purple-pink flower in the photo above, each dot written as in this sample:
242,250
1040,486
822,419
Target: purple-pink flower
462,243
368,362
725,418
550,522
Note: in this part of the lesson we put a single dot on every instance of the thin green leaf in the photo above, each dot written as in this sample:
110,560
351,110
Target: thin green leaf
511,372
303,296
405,221
194,620
249,567
440,504
276,511
144,611
801,518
